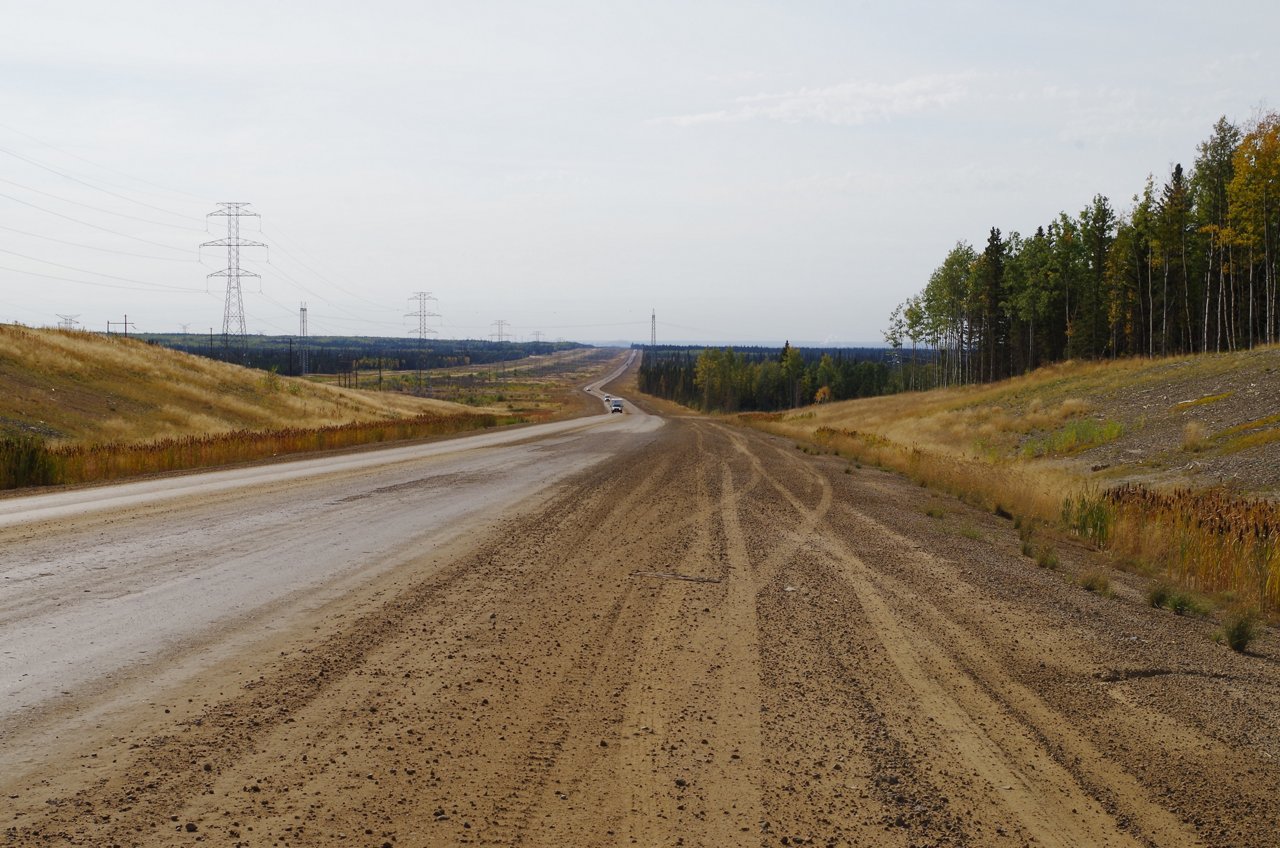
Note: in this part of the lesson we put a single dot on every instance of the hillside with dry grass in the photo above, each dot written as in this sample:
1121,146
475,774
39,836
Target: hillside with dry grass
78,407
1174,464
1210,420
78,387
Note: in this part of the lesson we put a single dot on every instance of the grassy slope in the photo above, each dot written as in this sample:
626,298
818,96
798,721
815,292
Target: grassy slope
1198,421
1044,447
76,387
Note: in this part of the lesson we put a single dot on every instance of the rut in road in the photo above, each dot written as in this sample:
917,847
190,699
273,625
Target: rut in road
841,673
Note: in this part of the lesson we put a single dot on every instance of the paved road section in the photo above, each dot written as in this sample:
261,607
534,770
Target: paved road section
94,581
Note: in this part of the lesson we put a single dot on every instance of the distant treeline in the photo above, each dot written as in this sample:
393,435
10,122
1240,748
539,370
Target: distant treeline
1191,266
342,354
764,379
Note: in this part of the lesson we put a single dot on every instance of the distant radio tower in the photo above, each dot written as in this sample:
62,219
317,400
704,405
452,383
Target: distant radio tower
653,330
67,322
302,337
233,329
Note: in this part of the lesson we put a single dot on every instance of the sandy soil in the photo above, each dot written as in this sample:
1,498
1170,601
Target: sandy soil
712,640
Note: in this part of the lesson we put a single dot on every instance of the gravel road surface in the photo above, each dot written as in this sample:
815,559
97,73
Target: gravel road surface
618,633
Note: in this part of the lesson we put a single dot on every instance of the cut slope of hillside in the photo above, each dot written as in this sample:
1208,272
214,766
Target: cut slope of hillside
1201,421
78,387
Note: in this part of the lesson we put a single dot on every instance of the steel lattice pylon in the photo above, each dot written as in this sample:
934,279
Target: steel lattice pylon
233,326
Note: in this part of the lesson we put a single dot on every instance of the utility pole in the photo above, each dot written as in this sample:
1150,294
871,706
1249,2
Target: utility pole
125,324
67,322
422,314
233,329
302,338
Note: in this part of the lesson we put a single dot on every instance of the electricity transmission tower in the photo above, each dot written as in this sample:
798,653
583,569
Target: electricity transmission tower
653,330
302,338
67,322
422,314
233,329
500,336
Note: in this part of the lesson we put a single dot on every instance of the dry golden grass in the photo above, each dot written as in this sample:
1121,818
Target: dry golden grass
1006,447
81,388
1195,436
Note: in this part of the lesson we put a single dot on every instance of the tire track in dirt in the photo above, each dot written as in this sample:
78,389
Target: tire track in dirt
843,683
1060,730
986,738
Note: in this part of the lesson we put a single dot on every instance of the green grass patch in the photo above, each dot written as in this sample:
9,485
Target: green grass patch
1074,436
1251,440
1257,424
1187,404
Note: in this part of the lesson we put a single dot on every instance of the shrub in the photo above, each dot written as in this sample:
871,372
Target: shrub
1027,548
1195,436
1239,629
1047,557
1097,582
1183,602
1158,594
935,512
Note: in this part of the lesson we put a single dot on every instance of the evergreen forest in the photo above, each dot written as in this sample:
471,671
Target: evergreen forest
1189,266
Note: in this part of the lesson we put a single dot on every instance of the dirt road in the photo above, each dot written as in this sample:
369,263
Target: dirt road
711,639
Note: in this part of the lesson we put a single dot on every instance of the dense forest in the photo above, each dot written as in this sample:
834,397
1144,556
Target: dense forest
1189,267
765,379
342,354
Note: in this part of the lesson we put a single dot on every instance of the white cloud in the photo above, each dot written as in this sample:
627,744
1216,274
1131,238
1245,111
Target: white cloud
845,104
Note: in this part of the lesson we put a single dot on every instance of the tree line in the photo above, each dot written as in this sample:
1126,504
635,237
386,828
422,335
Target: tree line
1190,266
344,354
762,379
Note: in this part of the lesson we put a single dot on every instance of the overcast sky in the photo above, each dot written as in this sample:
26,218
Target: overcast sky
751,171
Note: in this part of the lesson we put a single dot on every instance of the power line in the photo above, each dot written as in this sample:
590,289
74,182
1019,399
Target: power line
93,208
94,187
87,271
155,289
44,143
93,247
93,226
274,236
